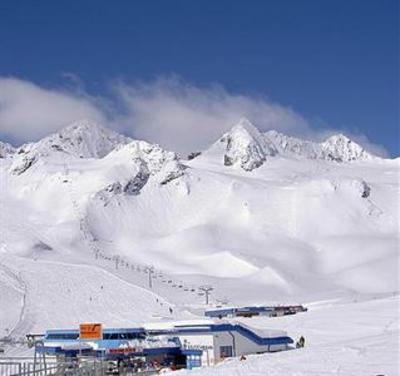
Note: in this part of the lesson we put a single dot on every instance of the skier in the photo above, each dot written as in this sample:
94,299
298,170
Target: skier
301,342
170,310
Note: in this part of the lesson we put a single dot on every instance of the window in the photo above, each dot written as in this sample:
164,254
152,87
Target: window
123,335
225,351
110,336
62,336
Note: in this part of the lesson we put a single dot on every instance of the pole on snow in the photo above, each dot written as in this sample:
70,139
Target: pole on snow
150,270
207,291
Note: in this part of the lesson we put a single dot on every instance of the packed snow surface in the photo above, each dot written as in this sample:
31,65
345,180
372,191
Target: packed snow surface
96,226
342,338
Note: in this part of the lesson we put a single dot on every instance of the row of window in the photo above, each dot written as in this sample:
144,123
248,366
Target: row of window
124,336
62,336
112,336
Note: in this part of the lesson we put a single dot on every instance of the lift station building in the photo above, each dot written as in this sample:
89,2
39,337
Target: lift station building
187,344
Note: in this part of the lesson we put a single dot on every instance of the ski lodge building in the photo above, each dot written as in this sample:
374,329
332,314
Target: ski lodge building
269,311
185,344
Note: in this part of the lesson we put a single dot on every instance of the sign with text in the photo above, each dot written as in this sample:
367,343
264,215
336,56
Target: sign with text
91,331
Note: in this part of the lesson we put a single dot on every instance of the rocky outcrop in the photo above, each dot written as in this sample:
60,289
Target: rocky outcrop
149,163
245,147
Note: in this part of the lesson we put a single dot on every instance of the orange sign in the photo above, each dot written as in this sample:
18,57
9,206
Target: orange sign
91,331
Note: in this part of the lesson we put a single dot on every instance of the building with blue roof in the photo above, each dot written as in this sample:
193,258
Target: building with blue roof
189,344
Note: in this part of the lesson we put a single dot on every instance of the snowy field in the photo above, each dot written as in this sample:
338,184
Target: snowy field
342,338
262,218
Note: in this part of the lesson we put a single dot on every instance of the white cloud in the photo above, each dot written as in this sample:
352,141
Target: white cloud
184,118
177,115
29,111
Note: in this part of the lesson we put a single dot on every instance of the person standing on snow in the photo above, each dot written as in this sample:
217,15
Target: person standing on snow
301,342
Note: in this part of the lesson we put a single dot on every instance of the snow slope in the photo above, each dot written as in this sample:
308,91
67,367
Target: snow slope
263,218
89,294
352,338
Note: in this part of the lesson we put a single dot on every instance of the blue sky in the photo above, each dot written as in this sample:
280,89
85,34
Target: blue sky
331,64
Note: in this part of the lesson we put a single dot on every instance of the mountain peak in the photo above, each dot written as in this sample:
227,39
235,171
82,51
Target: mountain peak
338,138
83,139
244,146
244,128
340,148
246,124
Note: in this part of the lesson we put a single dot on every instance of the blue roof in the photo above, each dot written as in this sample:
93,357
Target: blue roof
195,329
214,328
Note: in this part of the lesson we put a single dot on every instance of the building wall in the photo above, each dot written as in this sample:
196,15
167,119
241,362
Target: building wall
240,345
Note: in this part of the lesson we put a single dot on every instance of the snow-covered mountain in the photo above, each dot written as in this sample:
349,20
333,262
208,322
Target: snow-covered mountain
6,149
83,139
262,217
336,148
341,149
246,147
150,163
243,146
